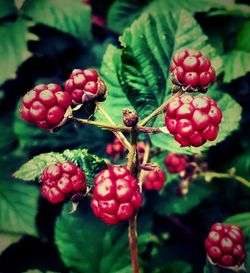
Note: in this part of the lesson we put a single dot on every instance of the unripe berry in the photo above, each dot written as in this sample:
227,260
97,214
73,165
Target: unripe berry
115,149
116,195
61,181
225,245
191,70
45,106
154,180
85,85
193,120
175,163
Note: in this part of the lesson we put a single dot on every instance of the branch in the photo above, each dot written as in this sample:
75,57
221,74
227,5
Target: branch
158,111
210,175
144,161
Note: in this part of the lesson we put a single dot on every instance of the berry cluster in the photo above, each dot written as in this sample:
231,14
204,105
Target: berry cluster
45,106
85,85
61,181
193,120
191,70
154,180
116,195
115,149
225,245
175,163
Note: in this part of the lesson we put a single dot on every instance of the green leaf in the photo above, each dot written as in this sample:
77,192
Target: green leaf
116,100
169,203
18,206
91,164
7,239
122,13
175,267
72,17
13,48
88,245
7,8
34,167
237,64
243,36
242,219
231,111
148,46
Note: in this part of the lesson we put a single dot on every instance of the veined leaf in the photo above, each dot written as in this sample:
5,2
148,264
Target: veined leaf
72,17
13,48
7,7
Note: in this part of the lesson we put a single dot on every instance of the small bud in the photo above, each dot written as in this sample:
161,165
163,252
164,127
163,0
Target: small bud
130,117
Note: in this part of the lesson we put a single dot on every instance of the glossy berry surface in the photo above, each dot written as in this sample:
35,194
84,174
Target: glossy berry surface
154,180
45,106
175,163
84,85
193,120
115,149
225,245
191,70
61,181
116,195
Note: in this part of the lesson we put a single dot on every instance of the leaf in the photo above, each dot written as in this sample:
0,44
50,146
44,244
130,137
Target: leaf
13,48
242,219
71,17
7,239
231,111
237,64
34,167
122,13
169,203
91,164
148,46
175,267
7,8
116,100
88,245
243,36
18,206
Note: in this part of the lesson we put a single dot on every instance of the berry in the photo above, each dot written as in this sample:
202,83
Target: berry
191,70
115,149
154,180
225,245
130,117
45,106
116,195
85,85
193,120
175,163
61,181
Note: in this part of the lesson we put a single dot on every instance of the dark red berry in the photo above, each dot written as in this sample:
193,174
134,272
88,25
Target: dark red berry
225,245
175,163
193,120
45,106
191,70
116,195
116,149
61,181
84,85
154,180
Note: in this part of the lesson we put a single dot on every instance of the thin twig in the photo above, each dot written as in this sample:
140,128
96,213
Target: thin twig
158,111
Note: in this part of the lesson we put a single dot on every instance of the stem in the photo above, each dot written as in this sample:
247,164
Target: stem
158,110
132,229
118,135
211,175
144,161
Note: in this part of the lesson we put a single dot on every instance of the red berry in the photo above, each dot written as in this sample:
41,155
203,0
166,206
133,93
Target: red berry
45,106
154,180
116,195
84,85
191,70
116,149
61,181
175,163
223,248
193,120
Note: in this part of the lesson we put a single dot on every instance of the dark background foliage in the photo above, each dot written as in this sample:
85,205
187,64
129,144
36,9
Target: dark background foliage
41,42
